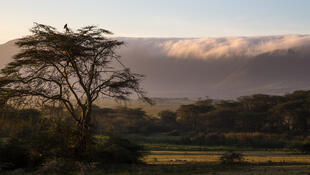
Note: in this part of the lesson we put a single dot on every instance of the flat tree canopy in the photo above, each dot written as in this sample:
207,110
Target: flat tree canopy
71,67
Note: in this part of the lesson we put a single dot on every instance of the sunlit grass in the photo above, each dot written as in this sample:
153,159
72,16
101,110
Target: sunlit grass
178,147
182,157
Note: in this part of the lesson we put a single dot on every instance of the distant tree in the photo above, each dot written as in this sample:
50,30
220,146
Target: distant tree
125,120
252,122
293,115
167,116
259,102
192,116
72,68
229,105
221,120
168,120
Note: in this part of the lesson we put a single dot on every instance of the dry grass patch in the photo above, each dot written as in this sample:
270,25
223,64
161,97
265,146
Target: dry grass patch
182,157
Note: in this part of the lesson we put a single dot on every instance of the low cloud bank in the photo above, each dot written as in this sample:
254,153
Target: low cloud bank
230,47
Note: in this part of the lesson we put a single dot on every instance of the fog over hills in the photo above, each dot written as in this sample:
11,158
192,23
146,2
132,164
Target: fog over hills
225,67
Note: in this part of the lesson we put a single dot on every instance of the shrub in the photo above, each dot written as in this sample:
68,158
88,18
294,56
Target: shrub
55,141
14,155
305,148
232,158
116,150
58,166
32,146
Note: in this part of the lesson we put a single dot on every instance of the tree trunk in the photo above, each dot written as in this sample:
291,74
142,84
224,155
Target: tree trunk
82,141
84,136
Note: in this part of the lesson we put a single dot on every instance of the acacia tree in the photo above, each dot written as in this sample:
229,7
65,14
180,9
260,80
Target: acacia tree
73,68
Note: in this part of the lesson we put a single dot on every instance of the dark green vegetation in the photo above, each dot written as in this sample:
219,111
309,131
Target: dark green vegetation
32,138
257,121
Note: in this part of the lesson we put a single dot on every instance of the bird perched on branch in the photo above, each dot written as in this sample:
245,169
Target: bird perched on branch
66,27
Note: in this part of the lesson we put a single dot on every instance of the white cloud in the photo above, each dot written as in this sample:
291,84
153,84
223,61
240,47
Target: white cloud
215,48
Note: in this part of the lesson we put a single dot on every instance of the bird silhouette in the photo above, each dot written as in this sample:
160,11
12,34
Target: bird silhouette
66,27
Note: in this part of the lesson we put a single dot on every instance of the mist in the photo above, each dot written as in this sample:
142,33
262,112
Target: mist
231,47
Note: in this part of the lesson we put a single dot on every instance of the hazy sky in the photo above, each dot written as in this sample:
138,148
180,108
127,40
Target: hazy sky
160,18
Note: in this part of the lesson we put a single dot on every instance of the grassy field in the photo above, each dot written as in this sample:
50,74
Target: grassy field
252,157
207,162
175,147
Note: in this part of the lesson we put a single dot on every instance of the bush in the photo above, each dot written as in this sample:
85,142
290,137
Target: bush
232,158
116,150
14,154
55,141
31,147
305,148
53,147
58,166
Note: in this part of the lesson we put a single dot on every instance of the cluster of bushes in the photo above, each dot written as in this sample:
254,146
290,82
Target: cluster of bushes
118,150
50,142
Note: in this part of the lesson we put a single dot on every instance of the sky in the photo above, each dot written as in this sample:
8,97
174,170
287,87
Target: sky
159,18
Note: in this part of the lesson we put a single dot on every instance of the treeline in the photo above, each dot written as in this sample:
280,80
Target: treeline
288,114
257,120
263,121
